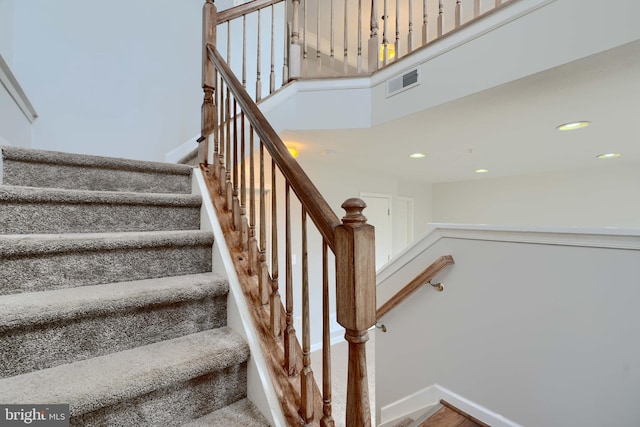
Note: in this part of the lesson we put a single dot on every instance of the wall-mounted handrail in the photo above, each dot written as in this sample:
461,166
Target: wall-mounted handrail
421,279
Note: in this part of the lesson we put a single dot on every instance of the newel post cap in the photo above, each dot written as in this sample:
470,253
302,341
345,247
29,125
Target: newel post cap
354,208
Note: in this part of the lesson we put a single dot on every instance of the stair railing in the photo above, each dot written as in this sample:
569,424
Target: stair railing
331,38
243,139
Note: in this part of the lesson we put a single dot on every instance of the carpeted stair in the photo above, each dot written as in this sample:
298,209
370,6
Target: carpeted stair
107,299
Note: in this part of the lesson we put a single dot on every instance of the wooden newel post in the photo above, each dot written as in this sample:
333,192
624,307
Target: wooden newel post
356,303
209,114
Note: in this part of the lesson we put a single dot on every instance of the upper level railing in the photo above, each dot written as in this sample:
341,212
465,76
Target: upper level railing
291,39
248,160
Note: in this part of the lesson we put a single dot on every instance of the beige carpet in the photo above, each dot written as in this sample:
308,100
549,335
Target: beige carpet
340,359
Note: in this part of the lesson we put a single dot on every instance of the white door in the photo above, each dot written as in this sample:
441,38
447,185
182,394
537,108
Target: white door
402,224
378,213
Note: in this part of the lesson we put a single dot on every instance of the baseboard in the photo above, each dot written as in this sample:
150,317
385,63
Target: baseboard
431,395
181,151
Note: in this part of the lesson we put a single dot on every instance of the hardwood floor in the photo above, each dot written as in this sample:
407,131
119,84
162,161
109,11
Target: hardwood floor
448,416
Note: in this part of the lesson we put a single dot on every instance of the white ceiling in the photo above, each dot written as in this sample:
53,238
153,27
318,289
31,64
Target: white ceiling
509,129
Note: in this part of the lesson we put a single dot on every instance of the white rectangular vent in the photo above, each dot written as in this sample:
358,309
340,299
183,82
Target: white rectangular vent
403,82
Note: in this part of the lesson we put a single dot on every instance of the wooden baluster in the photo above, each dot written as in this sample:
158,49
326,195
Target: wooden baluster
397,43
294,52
305,62
410,36
327,419
229,186
476,8
272,75
425,23
318,58
216,141
290,364
374,40
274,299
356,303
345,61
244,223
458,13
244,51
220,173
285,65
258,80
306,375
263,277
253,243
332,41
237,224
440,18
385,41
359,59
208,110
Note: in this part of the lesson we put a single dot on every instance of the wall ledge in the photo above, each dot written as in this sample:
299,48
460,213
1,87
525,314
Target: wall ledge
14,89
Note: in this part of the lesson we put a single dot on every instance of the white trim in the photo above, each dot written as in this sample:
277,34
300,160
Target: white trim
273,412
178,153
429,396
612,238
12,86
407,406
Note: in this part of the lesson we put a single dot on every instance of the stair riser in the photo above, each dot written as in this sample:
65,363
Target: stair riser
92,178
27,349
173,405
27,218
81,268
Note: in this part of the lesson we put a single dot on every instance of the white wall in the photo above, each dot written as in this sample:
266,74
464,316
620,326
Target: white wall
599,197
119,78
6,30
542,334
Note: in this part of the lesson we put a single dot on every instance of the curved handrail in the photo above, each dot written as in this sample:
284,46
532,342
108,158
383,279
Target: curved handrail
421,279
318,209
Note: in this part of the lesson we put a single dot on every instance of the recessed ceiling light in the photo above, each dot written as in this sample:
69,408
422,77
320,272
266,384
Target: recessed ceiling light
573,125
417,155
608,155
481,170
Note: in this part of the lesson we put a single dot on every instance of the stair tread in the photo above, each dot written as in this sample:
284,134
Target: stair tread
60,195
36,308
102,381
20,244
56,157
243,413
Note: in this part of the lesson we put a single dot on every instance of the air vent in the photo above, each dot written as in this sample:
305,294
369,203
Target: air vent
403,82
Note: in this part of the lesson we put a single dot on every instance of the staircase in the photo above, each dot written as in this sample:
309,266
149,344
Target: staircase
107,299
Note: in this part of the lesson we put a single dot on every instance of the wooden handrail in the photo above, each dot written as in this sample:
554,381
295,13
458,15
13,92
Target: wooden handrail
318,209
421,279
244,9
